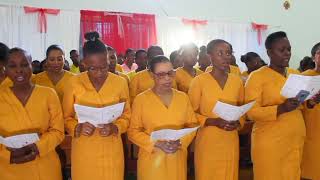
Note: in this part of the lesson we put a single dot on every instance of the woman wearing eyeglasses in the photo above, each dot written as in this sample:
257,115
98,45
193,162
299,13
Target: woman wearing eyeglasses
217,141
161,107
97,152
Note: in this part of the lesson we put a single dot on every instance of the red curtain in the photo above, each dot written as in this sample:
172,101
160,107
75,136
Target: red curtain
120,30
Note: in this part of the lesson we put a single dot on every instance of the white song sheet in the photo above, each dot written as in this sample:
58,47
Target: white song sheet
295,83
170,134
97,116
229,112
19,141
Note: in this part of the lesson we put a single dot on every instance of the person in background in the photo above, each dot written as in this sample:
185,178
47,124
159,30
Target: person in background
143,80
55,76
161,107
75,57
97,152
43,65
29,108
176,60
141,60
279,127
111,50
204,59
306,63
217,141
112,57
66,66
129,63
36,67
82,66
4,53
184,75
253,62
120,58
311,157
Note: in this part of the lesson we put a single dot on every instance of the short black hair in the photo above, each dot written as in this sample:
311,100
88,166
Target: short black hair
140,51
73,51
248,57
4,52
151,48
273,37
156,60
188,47
212,44
129,50
314,49
20,50
173,56
93,45
53,47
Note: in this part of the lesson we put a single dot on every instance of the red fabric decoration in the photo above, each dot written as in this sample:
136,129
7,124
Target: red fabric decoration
120,30
194,23
259,28
42,18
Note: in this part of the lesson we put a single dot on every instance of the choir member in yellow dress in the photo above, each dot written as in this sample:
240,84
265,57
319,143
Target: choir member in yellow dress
175,59
141,61
55,76
4,80
161,107
217,141
279,131
97,152
143,80
75,57
185,74
252,61
311,157
112,56
29,108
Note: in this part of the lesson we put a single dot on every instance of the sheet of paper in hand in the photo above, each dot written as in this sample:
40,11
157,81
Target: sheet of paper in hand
170,134
229,112
19,141
96,116
296,83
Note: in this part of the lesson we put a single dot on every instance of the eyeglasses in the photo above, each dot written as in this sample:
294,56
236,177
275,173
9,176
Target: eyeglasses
96,69
162,75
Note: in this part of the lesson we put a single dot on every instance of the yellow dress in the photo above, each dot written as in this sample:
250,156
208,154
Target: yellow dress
183,79
74,69
124,76
141,82
233,69
131,74
244,74
6,83
42,114
311,157
119,68
44,80
277,142
216,150
150,114
96,157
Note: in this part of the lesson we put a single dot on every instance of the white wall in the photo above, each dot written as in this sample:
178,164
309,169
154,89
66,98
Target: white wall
300,22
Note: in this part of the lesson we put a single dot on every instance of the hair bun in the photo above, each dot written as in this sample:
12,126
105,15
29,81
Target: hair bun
91,36
243,58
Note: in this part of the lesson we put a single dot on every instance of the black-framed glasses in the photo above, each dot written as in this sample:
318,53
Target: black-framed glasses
162,75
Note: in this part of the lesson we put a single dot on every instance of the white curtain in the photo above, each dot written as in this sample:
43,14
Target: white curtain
18,29
172,33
